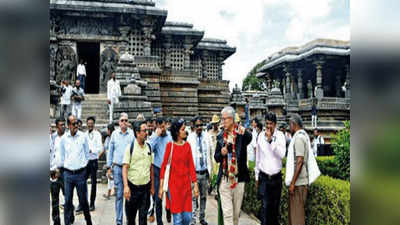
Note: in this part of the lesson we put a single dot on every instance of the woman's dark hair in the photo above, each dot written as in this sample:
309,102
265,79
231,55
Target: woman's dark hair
175,127
258,123
110,127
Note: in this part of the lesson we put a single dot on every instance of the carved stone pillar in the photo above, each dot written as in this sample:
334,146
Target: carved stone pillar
148,38
204,64
124,30
220,61
309,89
319,92
188,51
53,48
348,82
300,94
167,47
288,82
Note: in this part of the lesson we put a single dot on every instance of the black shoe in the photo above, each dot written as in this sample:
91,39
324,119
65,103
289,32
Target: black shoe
203,222
72,219
168,215
91,208
79,210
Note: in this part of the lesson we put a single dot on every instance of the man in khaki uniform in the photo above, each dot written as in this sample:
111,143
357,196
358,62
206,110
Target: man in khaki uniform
299,185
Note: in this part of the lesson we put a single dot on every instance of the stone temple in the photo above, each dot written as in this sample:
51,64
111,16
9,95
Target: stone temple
165,68
295,78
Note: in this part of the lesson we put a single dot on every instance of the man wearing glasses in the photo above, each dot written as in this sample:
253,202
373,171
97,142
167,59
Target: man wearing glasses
120,139
200,143
74,157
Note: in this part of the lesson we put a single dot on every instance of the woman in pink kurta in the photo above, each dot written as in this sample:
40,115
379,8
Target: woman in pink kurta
182,175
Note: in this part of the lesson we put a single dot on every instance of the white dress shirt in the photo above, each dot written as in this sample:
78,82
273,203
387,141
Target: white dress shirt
113,90
66,97
269,156
95,144
316,142
81,70
206,145
74,151
54,150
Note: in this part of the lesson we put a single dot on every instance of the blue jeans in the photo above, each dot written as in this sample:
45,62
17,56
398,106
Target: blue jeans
182,218
81,78
158,201
77,180
119,189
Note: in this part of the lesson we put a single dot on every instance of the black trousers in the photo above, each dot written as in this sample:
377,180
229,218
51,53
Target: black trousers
269,192
55,188
139,201
92,168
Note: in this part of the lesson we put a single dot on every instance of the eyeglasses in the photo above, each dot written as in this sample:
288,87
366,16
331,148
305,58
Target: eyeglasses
225,118
198,125
123,120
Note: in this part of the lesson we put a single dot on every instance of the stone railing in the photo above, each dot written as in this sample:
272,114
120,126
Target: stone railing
326,103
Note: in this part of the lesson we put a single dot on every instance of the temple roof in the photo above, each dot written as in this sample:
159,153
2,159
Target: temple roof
213,44
182,29
318,46
113,6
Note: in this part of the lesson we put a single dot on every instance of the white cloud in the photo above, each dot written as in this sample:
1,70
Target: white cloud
241,24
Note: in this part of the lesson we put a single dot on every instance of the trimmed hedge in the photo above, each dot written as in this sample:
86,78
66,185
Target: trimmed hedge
328,201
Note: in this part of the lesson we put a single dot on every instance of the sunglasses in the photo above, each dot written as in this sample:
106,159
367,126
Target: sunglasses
123,120
198,125
74,124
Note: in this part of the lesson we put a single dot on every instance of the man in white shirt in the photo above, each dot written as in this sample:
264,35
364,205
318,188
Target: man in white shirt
113,94
251,148
81,73
78,95
317,142
95,148
56,180
65,102
200,144
271,148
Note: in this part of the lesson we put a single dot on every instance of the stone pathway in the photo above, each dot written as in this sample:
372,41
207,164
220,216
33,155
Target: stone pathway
105,212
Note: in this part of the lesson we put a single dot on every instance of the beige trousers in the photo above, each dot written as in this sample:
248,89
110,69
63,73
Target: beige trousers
231,201
297,202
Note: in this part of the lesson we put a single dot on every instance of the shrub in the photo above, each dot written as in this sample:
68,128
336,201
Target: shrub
341,147
327,166
328,201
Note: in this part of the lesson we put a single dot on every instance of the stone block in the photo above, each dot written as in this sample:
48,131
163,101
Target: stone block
132,89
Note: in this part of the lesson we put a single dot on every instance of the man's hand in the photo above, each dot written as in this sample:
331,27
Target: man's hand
160,193
109,173
152,189
224,151
196,190
291,189
268,134
109,101
127,193
242,130
158,131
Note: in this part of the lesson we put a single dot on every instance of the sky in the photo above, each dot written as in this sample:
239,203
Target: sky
259,28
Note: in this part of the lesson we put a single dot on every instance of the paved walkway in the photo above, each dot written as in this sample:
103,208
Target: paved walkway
105,212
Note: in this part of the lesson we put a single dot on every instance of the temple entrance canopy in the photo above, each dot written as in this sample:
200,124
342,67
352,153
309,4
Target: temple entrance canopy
89,52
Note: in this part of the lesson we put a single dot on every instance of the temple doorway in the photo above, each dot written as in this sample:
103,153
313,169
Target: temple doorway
89,52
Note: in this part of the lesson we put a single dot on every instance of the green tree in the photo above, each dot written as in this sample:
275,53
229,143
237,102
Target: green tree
341,147
251,81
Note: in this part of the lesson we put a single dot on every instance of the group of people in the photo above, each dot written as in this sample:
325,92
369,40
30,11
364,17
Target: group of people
156,160
72,96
